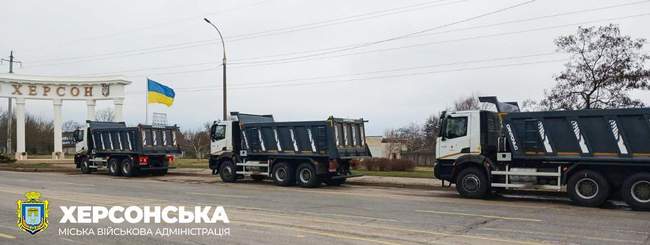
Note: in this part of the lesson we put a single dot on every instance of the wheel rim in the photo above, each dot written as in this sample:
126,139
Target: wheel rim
280,174
111,167
641,191
587,188
471,183
227,171
125,168
305,175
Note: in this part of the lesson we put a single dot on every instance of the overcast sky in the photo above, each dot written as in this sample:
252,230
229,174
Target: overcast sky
305,60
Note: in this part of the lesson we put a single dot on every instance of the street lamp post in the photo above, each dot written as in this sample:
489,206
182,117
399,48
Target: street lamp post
223,44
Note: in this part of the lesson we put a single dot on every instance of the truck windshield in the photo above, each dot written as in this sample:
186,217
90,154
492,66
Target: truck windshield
219,132
456,127
78,135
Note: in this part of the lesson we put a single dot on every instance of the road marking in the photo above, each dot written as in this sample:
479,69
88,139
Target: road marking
218,195
444,234
320,233
7,236
70,240
420,198
564,235
479,215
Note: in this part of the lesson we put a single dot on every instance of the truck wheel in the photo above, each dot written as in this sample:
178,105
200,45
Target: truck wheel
636,191
472,183
306,176
258,177
284,174
227,172
588,188
114,167
334,182
128,169
85,166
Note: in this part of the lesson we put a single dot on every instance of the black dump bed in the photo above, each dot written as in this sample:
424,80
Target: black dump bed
612,135
332,138
116,137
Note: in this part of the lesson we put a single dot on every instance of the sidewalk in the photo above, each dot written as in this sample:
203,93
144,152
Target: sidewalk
198,175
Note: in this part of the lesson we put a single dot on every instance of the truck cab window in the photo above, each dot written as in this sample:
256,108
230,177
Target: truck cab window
78,135
456,127
219,132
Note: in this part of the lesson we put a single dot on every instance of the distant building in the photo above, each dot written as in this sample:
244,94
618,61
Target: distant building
390,148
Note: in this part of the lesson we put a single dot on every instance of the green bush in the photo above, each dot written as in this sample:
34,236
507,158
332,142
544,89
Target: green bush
6,159
383,164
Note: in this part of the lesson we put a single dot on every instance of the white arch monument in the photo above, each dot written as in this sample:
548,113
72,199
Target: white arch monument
58,89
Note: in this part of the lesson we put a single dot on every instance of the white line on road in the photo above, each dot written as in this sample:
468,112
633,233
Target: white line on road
479,215
546,234
7,236
218,195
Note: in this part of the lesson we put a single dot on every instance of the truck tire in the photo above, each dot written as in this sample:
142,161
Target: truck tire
114,167
257,177
227,171
284,174
636,191
334,182
306,175
85,166
472,183
588,188
128,168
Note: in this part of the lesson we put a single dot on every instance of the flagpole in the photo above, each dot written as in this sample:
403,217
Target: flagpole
146,104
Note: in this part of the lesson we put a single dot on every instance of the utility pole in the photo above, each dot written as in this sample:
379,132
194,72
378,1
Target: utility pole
223,44
9,110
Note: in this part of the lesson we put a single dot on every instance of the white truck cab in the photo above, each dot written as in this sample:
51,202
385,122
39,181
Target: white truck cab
221,137
459,135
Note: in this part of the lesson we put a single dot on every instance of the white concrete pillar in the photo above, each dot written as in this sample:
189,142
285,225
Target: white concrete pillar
20,129
90,110
119,112
58,130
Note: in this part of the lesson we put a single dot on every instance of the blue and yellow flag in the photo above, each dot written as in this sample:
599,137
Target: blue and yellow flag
158,93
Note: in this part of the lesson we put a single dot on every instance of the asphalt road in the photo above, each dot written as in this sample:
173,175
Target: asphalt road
262,213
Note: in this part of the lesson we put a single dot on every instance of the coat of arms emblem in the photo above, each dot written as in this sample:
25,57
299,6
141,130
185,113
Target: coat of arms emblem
106,89
32,213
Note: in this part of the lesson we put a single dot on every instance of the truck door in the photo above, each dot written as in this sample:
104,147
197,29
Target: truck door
455,140
220,138
80,140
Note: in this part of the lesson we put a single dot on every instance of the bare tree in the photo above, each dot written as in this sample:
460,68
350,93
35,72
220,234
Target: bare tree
197,142
70,126
467,103
105,115
603,68
430,130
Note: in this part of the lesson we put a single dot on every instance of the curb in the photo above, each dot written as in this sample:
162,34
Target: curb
198,174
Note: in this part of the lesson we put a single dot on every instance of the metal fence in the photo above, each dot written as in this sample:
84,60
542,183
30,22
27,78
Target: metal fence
420,158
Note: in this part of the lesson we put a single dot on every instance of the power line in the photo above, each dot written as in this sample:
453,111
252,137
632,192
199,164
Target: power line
516,21
355,46
402,36
365,52
161,24
313,25
267,85
239,65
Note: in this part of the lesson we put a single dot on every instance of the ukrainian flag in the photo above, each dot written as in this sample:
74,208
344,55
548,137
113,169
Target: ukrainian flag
158,93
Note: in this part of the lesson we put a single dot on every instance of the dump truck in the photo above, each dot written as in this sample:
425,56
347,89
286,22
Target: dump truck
307,152
590,154
125,151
